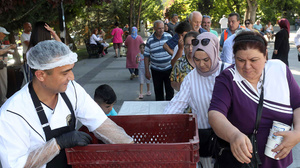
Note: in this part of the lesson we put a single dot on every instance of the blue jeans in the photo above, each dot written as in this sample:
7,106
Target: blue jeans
133,70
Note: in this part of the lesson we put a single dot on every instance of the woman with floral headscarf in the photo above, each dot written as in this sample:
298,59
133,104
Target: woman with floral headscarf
133,42
196,88
282,46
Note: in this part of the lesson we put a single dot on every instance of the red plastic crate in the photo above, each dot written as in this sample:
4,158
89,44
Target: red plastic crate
162,141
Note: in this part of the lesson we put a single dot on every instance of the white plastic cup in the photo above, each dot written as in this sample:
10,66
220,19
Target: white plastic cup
271,144
278,126
273,140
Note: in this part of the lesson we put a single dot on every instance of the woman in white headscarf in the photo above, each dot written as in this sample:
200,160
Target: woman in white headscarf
196,88
133,42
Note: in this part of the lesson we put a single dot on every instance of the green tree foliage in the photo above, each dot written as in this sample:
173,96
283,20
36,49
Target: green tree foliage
181,8
105,15
83,15
273,10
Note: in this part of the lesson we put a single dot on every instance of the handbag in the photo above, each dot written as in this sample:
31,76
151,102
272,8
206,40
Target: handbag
205,136
221,149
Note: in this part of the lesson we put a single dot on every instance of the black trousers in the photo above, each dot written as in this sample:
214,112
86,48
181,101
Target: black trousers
100,46
161,79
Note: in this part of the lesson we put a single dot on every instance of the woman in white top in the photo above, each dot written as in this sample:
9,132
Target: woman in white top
94,40
196,88
297,41
269,31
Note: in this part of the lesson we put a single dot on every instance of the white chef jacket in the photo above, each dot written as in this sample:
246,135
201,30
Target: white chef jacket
20,128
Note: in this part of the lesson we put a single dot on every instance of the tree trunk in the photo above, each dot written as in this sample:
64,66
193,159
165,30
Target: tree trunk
70,41
130,15
139,15
247,14
252,4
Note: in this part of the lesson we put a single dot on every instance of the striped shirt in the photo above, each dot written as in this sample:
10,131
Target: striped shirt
195,92
160,59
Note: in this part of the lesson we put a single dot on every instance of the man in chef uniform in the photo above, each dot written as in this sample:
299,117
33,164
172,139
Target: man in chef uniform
38,122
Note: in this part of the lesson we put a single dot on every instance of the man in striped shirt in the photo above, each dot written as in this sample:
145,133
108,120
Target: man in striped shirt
160,61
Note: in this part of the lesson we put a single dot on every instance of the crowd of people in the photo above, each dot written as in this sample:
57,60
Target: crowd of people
223,81
224,88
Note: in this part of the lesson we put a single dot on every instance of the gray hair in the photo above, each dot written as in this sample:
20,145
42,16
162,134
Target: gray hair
191,15
156,22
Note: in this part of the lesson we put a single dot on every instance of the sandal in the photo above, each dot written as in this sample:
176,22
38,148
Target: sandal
132,76
148,93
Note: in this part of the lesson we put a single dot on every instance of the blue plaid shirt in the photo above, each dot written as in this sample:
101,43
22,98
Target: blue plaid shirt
173,41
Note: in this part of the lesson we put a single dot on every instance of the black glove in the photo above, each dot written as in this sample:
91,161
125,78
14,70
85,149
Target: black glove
74,138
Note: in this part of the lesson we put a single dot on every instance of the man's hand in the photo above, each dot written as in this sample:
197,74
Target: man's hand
180,42
148,76
13,46
74,138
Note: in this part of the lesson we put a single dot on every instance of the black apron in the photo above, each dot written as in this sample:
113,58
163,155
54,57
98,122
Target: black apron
60,161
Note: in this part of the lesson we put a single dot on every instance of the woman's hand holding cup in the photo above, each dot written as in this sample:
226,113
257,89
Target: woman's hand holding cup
290,139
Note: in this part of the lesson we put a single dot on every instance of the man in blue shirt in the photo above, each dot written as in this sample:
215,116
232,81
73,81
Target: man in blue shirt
160,61
258,27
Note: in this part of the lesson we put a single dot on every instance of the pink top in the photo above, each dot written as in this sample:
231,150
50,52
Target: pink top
117,33
133,48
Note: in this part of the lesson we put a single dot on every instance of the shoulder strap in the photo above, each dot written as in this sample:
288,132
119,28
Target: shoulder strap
42,116
260,106
41,113
67,101
222,66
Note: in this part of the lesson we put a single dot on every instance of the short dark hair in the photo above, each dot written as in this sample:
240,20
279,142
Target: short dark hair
183,27
250,39
105,94
235,14
49,71
116,23
174,14
191,34
248,20
142,44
